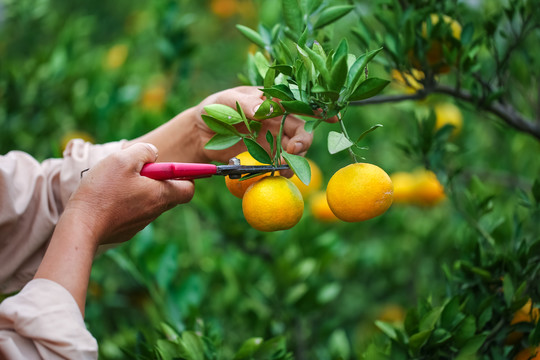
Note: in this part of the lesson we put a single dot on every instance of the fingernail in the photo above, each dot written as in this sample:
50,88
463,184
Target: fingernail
153,147
298,146
256,108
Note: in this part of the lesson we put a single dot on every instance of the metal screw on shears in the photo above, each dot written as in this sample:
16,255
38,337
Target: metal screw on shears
234,161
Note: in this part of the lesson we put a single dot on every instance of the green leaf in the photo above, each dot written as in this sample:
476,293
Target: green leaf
465,331
328,293
332,14
248,348
267,110
220,142
286,70
257,151
467,34
368,88
339,74
373,128
223,113
308,63
292,15
297,107
319,63
342,50
419,339
251,35
280,91
430,319
270,348
338,142
270,140
508,289
295,293
450,313
387,329
219,127
357,69
299,165
269,77
472,345
261,64
193,345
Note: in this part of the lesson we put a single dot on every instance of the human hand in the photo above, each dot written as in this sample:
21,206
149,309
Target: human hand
114,201
295,140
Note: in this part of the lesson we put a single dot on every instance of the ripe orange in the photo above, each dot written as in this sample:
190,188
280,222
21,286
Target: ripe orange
392,313
404,187
116,56
237,187
359,192
526,314
273,203
315,183
409,80
448,114
224,8
320,209
528,354
428,189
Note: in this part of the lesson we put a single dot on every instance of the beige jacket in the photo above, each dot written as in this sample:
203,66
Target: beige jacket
43,320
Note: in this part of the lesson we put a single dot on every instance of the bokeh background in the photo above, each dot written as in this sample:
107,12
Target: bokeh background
111,70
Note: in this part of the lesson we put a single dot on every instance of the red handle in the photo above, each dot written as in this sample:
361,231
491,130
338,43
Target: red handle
178,171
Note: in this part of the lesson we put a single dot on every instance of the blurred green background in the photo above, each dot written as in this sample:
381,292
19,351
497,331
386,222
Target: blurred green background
114,70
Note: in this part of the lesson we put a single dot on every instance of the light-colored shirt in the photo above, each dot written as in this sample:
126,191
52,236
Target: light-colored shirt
43,320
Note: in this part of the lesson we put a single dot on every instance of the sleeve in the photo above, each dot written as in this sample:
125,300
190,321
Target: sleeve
44,322
32,198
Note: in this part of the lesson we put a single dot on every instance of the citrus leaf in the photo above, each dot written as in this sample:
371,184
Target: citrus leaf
223,113
299,165
251,35
387,329
292,15
248,348
338,142
286,70
270,140
297,107
319,63
357,69
257,151
368,88
339,74
220,142
342,50
219,127
418,340
193,345
332,14
373,128
268,109
280,91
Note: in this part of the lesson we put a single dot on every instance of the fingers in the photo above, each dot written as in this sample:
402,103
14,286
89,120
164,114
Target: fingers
139,154
296,140
178,192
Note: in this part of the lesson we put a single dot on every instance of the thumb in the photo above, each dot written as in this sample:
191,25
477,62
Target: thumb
140,154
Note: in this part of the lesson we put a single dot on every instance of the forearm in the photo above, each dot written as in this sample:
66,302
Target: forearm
175,139
68,260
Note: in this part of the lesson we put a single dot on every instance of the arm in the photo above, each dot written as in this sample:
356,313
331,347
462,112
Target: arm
112,204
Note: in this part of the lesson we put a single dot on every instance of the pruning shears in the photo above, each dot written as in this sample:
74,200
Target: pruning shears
189,171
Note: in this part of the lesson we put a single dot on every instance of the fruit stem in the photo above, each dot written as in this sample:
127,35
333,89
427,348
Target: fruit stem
344,130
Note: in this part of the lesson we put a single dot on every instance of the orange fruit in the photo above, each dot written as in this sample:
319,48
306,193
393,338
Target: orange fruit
224,8
237,187
320,209
404,187
359,192
448,114
526,314
314,184
528,354
428,190
410,81
273,203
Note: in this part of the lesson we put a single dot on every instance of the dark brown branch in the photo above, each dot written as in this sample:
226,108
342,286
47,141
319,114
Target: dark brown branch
504,111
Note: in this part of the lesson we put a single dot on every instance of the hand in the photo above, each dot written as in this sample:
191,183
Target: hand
183,138
114,201
295,139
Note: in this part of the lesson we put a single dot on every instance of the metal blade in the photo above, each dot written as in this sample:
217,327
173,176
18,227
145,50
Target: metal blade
236,171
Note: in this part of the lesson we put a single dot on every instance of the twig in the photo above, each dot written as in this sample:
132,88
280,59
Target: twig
505,112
